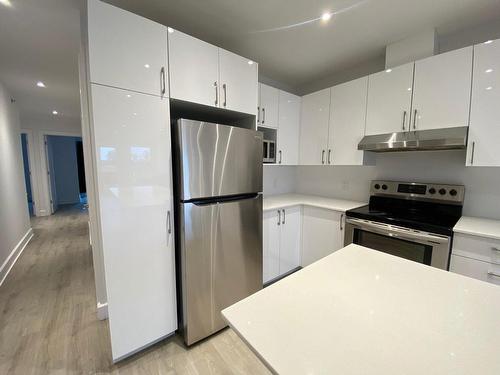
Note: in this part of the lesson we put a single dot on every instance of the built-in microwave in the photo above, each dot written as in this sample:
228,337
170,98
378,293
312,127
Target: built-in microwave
269,149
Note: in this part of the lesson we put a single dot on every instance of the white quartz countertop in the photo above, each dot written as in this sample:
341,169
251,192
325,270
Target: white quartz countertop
360,311
477,226
273,202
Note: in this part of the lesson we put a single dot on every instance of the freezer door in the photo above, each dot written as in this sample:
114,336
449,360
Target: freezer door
215,160
221,261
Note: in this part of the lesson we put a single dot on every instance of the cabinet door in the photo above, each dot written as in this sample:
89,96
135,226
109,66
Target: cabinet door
126,50
268,105
314,127
291,229
271,245
289,128
347,122
193,69
476,269
238,90
321,233
132,145
441,90
484,129
389,100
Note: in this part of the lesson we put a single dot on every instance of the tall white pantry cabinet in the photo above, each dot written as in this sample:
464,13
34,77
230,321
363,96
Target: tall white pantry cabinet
129,124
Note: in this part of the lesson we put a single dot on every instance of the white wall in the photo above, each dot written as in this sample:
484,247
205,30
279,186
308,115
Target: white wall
14,218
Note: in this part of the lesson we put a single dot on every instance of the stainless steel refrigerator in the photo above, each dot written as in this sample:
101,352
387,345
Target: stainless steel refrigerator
218,180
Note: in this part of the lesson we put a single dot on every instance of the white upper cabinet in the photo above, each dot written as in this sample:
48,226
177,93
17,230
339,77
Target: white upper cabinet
484,130
126,50
193,69
441,90
289,128
314,128
238,83
268,106
389,100
134,174
347,122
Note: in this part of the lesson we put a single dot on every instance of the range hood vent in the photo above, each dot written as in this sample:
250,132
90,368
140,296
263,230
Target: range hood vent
420,140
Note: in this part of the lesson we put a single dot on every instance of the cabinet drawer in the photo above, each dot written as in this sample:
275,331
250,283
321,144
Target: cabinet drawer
479,248
476,269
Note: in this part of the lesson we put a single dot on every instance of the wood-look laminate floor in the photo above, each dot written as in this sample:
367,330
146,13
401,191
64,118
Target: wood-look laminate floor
48,321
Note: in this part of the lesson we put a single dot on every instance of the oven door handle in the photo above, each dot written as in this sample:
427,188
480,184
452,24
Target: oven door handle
397,232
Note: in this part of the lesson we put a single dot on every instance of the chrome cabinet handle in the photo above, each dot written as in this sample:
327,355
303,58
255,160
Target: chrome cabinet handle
162,81
280,156
329,155
258,115
169,224
404,119
216,93
283,222
472,153
415,119
494,274
224,87
341,220
495,249
263,115
323,157
279,217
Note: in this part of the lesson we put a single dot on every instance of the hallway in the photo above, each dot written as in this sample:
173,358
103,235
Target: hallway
48,323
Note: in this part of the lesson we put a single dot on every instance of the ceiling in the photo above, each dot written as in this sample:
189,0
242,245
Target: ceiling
39,39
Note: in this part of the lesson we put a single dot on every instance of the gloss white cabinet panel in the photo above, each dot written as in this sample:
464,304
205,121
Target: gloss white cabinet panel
347,122
126,50
441,90
238,80
290,239
289,128
477,269
484,128
268,106
271,245
193,69
389,100
322,233
132,146
314,127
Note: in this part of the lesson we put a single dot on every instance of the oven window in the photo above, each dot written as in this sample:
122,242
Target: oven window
405,249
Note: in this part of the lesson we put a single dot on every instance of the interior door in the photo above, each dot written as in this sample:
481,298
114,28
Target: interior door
389,100
289,129
444,79
126,50
347,122
271,244
290,239
193,69
132,146
51,177
238,79
314,127
268,103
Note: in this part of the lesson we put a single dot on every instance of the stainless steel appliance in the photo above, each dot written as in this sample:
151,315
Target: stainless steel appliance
269,148
411,220
218,181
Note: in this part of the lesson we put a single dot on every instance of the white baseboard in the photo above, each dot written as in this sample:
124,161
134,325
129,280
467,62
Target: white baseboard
102,311
14,255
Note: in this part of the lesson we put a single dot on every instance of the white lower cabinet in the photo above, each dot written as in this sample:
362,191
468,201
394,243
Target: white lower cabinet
477,269
281,236
322,233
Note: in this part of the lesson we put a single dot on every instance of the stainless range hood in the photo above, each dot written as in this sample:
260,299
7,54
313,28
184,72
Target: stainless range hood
419,140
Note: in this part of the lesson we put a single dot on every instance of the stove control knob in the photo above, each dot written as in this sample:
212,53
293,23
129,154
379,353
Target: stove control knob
442,191
453,192
384,187
377,186
432,191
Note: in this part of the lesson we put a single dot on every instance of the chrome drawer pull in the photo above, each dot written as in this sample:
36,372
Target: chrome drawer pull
491,273
495,249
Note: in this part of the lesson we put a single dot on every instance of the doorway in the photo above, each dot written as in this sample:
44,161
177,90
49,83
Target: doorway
66,174
27,174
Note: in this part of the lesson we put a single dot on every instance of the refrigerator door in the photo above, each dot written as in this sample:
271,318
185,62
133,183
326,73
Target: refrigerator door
221,261
215,160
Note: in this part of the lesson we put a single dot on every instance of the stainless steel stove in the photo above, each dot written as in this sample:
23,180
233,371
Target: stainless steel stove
408,219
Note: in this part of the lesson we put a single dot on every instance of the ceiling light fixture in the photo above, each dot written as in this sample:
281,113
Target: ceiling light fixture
146,66
7,3
326,16
488,70
55,112
388,70
39,83
489,88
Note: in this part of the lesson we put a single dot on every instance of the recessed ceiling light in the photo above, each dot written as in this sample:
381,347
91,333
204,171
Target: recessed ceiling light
7,3
488,42
55,112
170,30
129,96
388,70
39,83
489,88
146,66
326,16
409,88
488,70
250,62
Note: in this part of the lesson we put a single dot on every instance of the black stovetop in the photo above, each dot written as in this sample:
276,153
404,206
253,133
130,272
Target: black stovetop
431,217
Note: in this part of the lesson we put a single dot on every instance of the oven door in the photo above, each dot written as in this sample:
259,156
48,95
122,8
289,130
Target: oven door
422,247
